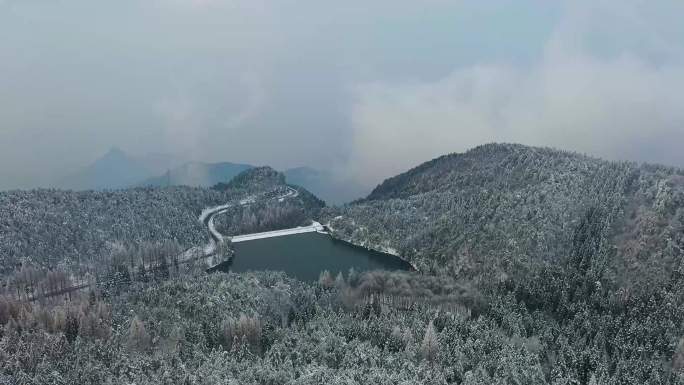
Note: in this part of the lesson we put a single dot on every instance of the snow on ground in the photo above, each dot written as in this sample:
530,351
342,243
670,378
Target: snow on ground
211,210
207,216
212,229
314,227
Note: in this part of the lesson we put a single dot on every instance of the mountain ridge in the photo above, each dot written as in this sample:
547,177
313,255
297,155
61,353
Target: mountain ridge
197,174
504,207
118,170
113,170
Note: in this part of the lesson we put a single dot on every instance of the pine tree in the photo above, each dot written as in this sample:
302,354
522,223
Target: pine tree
353,277
163,269
340,284
429,348
395,342
138,339
678,358
71,327
326,280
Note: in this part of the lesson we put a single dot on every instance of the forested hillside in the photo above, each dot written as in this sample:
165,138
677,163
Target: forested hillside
261,328
591,251
78,231
537,266
265,215
498,209
198,174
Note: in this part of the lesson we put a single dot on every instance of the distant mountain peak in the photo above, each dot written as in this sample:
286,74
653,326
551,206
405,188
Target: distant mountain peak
196,174
114,150
484,158
115,169
199,174
113,153
257,177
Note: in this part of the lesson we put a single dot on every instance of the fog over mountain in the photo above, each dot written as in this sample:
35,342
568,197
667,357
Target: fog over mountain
431,192
117,170
356,89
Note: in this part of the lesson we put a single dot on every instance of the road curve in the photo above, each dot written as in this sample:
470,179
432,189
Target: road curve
208,214
206,217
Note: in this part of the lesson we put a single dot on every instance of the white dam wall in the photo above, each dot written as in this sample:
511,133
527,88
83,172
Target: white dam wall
315,227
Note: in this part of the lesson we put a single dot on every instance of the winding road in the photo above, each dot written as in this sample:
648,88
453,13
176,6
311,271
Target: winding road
208,214
216,238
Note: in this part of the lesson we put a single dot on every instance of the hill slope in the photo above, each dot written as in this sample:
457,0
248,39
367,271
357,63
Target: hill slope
79,230
113,170
502,208
197,174
117,169
549,268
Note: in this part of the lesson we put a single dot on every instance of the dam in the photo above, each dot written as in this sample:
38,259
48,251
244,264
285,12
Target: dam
315,227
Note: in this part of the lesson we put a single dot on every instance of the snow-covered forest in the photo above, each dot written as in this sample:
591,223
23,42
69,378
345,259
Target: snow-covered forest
502,209
536,267
89,235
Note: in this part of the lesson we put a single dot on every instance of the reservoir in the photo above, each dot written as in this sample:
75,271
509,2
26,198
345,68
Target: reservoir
305,256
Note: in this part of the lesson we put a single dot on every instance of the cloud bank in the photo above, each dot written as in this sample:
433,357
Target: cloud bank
364,89
623,104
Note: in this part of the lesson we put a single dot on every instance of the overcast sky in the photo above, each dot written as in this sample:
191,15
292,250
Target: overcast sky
363,88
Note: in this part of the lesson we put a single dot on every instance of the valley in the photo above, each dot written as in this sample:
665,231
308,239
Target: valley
519,251
240,192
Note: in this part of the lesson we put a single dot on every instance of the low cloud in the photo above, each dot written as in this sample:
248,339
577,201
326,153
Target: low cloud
362,89
624,105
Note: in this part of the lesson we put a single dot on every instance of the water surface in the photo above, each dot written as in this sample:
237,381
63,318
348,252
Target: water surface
304,256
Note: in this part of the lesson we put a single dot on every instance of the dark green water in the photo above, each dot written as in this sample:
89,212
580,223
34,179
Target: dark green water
304,256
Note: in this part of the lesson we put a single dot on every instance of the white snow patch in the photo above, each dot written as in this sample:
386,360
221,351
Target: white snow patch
314,227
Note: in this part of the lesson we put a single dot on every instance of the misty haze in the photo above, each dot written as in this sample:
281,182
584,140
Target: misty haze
303,192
